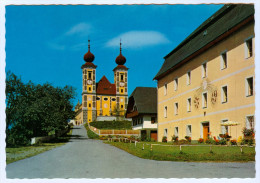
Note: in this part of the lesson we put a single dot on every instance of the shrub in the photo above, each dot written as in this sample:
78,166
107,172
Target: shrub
188,138
183,141
248,132
175,138
103,137
210,141
216,142
148,139
250,142
223,142
152,140
200,140
164,139
233,142
119,125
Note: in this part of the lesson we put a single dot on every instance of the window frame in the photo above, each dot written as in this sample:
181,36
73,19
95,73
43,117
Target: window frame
222,127
247,86
247,55
189,104
188,78
203,100
222,61
165,111
204,70
175,84
247,122
176,108
222,94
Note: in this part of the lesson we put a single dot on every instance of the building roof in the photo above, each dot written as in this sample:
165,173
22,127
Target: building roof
120,67
215,26
144,99
105,87
88,64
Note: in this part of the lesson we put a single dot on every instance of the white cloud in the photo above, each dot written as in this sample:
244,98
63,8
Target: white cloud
79,32
80,29
137,39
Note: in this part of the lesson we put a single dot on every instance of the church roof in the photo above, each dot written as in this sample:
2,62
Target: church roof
105,87
120,67
88,64
144,99
216,27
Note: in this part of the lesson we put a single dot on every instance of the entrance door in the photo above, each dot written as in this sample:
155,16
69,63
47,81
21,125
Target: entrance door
205,131
154,135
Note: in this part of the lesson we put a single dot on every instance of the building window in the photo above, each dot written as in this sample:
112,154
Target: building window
176,108
189,105
249,48
153,120
224,94
121,77
204,70
113,99
249,86
89,104
250,122
188,130
165,89
89,75
122,106
97,98
224,129
165,132
176,84
105,99
89,88
224,60
122,91
204,100
188,78
176,132
165,111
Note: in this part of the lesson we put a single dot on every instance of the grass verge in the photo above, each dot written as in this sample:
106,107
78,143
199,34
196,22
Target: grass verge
18,153
91,134
189,153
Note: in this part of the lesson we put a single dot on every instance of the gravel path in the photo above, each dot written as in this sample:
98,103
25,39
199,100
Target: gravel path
86,158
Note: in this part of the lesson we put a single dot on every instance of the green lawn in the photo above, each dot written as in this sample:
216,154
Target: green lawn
189,153
18,153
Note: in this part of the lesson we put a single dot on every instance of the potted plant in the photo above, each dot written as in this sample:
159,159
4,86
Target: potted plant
188,138
175,138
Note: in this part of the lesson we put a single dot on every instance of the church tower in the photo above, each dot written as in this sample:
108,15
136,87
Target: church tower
121,82
89,87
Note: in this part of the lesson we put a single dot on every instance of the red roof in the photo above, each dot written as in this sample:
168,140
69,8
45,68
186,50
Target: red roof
122,67
105,87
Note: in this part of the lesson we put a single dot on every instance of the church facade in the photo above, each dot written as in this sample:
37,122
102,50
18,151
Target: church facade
103,100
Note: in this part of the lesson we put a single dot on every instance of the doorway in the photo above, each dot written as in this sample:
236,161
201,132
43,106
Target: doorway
205,131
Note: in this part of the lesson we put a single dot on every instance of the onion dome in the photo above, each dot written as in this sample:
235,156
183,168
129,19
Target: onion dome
89,57
120,59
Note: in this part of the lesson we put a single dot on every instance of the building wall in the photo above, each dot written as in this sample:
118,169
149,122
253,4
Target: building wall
234,77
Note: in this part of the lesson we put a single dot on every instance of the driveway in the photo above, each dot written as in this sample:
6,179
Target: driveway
85,158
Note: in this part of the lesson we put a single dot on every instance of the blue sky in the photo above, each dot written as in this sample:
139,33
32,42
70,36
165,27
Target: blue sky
47,43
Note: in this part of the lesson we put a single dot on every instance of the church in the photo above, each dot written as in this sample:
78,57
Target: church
102,100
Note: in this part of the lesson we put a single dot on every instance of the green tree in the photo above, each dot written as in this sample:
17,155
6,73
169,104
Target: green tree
35,110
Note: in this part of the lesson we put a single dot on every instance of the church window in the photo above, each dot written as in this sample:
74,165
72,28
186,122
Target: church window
224,60
204,100
89,104
98,98
105,99
204,70
224,94
89,88
89,75
121,77
122,106
122,90
113,99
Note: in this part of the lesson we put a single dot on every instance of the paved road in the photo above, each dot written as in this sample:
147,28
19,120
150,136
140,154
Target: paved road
86,158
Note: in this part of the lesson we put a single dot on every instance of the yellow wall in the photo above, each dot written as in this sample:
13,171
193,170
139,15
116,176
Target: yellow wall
234,77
